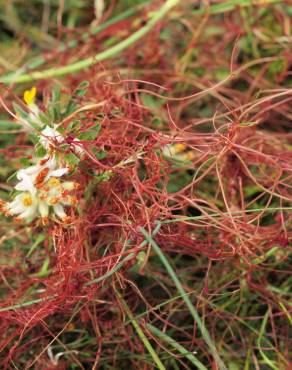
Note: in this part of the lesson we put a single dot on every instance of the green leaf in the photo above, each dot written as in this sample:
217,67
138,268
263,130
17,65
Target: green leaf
247,124
54,108
64,147
44,119
25,161
289,10
81,89
40,151
12,177
9,125
185,297
18,110
72,159
33,138
99,154
150,102
91,134
74,126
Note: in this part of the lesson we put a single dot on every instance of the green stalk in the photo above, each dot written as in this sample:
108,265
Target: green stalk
112,271
235,214
186,299
121,264
141,334
25,304
189,355
114,50
231,5
40,60
267,361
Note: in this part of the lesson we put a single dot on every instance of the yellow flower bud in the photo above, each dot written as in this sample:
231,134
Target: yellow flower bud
29,95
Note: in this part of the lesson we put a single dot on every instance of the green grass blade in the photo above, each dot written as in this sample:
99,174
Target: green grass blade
40,60
189,355
266,359
233,4
121,264
25,304
114,50
141,335
235,214
186,299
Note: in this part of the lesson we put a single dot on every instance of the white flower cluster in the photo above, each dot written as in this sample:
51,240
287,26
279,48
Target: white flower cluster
41,190
42,193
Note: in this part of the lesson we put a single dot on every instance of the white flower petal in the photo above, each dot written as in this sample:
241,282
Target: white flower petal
17,199
59,211
49,136
59,172
16,207
24,205
26,184
22,186
51,163
43,209
31,172
168,150
30,212
49,132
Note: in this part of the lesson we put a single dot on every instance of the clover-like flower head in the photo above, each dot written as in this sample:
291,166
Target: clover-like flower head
42,191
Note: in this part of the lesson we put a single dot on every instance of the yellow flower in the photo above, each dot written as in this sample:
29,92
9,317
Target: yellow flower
29,95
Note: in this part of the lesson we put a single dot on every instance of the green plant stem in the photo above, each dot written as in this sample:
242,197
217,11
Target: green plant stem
105,276
235,213
141,334
186,299
26,304
121,264
114,50
189,355
231,5
266,359
113,270
40,60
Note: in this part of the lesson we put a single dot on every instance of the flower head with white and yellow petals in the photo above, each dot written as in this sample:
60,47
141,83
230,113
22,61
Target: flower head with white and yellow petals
24,205
31,177
42,193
